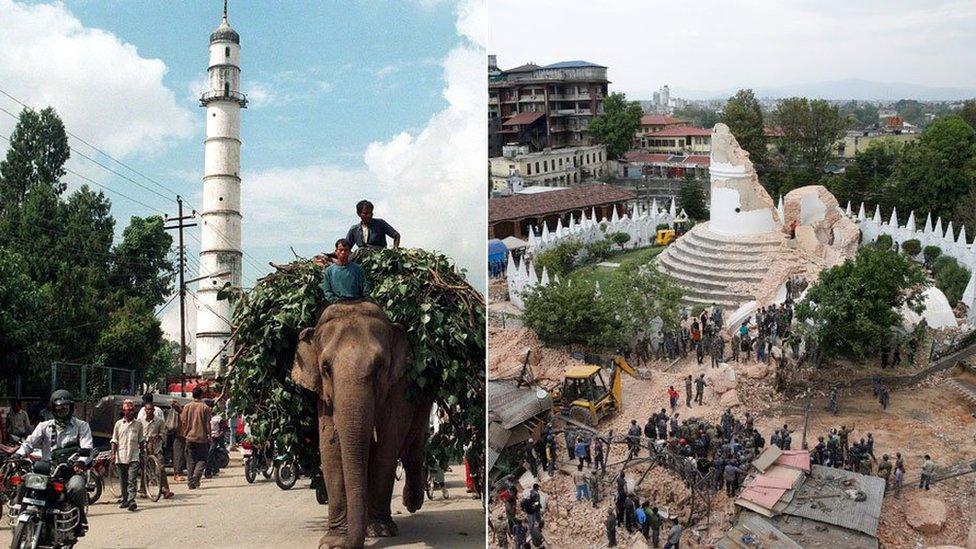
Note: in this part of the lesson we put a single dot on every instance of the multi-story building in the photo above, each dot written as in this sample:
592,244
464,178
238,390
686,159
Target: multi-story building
545,106
651,123
551,167
675,139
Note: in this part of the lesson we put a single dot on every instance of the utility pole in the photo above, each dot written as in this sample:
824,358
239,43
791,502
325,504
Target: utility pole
179,226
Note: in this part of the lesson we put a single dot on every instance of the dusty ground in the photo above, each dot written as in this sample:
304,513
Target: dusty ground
928,418
227,512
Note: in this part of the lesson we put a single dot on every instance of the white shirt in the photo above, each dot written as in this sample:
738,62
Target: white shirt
76,433
142,412
127,435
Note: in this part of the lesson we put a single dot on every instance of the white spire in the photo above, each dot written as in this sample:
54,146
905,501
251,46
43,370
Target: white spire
510,267
938,227
910,225
532,241
962,237
545,277
847,211
969,298
877,214
654,209
860,213
950,235
894,219
614,218
674,208
545,231
559,227
928,223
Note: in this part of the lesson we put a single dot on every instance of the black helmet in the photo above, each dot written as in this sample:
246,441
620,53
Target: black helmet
61,399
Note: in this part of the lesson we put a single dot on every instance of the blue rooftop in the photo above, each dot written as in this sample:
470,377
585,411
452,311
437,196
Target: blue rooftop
573,65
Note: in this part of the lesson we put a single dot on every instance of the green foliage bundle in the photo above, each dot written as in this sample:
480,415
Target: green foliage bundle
576,313
950,277
855,305
560,259
931,253
912,247
444,318
810,130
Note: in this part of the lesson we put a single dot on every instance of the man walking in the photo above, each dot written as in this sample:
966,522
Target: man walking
688,383
154,432
674,536
582,487
196,417
127,435
611,524
654,520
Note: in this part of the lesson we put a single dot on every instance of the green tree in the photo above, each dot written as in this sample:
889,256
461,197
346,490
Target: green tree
131,338
141,266
855,305
22,325
810,131
951,278
911,111
936,173
860,113
570,313
37,153
866,178
619,238
698,116
968,112
640,294
743,115
618,124
691,199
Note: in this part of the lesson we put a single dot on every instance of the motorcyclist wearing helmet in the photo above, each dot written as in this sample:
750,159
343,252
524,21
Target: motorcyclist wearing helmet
59,438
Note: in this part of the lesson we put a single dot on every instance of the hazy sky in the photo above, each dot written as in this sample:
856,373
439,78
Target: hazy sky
712,45
348,100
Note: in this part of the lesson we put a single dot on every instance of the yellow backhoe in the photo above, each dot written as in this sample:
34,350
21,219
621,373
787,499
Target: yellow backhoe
585,398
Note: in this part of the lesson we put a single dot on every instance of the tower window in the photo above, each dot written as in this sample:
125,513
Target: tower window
227,89
227,51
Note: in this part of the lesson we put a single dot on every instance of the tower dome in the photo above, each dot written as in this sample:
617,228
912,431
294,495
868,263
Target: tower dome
224,33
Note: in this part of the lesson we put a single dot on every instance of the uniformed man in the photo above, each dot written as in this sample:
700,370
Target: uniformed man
688,383
611,524
58,439
699,389
884,469
832,400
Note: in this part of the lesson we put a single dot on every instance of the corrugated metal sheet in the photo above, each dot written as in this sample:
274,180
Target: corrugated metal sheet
841,510
767,457
510,405
753,531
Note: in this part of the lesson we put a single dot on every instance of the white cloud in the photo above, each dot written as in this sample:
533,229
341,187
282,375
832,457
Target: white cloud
101,87
713,44
386,70
325,86
259,95
430,183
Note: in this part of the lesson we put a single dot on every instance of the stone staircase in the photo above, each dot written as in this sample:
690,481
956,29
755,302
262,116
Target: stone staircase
706,264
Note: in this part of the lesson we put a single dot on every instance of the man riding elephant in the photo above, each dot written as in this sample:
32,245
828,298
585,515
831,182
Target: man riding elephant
355,360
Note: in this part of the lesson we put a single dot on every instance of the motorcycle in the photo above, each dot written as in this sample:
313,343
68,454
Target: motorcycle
286,470
44,517
256,458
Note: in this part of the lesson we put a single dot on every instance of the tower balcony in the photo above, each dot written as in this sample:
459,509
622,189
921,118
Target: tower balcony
223,95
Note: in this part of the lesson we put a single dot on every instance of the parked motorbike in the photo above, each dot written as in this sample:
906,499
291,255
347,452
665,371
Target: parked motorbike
257,458
286,470
44,517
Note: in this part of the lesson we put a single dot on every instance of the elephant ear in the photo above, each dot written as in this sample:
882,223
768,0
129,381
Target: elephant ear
398,361
305,371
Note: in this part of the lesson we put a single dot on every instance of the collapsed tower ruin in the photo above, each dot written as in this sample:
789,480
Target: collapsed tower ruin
745,252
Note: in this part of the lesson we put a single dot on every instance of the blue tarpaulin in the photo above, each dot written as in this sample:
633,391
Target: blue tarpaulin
497,256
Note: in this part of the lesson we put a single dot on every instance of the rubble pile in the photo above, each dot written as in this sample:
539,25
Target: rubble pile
507,354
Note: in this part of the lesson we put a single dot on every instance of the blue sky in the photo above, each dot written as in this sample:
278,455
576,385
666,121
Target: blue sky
348,100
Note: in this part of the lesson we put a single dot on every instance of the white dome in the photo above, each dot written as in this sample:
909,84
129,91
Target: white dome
937,313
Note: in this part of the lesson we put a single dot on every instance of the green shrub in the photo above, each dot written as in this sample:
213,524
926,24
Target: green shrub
911,247
884,242
598,251
662,227
698,309
942,262
952,279
931,253
619,238
560,259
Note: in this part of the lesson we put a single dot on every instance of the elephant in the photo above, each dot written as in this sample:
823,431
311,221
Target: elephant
355,360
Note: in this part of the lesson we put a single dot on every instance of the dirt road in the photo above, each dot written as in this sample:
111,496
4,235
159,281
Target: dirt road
227,512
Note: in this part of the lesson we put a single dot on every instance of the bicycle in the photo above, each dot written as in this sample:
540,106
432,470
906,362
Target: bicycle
151,473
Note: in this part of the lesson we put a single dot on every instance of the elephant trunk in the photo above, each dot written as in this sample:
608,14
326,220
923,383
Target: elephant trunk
354,422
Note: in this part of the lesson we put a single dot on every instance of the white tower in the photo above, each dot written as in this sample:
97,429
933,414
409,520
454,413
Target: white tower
220,251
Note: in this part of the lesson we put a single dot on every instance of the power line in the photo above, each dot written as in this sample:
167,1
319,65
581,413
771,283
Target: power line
198,300
219,233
